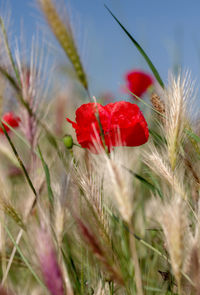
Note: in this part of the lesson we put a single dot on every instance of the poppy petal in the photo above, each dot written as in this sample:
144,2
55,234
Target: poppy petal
138,82
122,122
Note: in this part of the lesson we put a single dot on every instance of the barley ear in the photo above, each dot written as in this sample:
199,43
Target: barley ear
64,36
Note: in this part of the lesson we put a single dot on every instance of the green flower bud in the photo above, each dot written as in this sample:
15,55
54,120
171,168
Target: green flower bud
68,141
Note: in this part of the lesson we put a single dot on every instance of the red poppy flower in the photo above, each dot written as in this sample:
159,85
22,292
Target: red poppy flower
11,119
138,82
122,123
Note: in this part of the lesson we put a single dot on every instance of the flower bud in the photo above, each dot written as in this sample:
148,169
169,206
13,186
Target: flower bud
68,141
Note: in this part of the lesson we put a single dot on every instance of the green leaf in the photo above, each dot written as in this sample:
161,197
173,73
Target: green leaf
148,184
70,265
194,139
47,175
193,135
145,182
157,137
140,49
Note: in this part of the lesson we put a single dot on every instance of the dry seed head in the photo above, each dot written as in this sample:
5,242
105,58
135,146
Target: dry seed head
159,165
178,101
65,38
157,103
122,192
117,180
91,185
174,221
89,182
7,207
32,70
9,210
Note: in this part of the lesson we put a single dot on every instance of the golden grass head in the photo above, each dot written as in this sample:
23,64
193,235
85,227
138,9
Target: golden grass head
179,97
65,38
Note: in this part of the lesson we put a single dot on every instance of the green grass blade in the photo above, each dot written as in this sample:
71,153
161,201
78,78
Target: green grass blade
148,184
146,244
48,178
11,80
140,49
193,135
194,139
70,265
157,137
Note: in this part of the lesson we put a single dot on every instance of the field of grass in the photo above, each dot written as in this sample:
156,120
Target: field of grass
103,203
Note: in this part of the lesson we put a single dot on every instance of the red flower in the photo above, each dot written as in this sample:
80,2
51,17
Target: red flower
138,82
11,119
120,119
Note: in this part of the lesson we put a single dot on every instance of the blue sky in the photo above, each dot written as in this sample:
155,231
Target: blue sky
167,30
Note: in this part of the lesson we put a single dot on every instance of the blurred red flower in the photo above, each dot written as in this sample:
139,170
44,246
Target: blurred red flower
138,82
122,122
11,119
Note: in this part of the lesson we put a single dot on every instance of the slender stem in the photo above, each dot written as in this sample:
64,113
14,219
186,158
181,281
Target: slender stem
3,249
19,160
138,276
179,288
111,287
146,104
12,256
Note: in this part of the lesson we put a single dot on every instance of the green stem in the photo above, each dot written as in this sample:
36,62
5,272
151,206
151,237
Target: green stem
111,287
19,160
